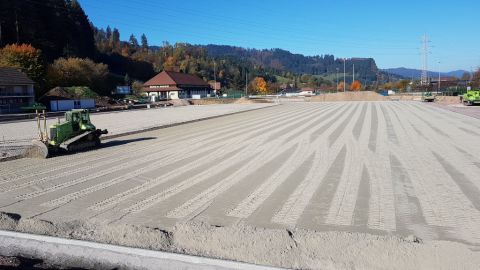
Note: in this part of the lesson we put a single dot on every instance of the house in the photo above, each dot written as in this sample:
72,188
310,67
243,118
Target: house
68,98
176,85
16,90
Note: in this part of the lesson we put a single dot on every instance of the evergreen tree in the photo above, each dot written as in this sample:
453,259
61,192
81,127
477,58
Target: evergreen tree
133,41
144,42
109,32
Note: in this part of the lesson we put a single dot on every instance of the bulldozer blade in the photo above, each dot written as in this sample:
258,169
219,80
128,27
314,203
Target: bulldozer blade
38,149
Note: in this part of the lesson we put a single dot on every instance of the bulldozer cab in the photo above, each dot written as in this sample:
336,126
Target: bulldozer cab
80,120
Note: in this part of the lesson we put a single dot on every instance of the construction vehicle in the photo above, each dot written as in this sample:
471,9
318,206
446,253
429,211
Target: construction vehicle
428,97
471,97
76,133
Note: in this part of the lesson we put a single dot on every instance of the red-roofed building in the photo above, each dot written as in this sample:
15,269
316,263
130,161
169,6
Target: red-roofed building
176,85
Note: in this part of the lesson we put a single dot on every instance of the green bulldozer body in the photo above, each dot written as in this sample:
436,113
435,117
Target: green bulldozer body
471,97
74,134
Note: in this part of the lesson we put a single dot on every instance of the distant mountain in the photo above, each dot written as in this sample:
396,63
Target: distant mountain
409,73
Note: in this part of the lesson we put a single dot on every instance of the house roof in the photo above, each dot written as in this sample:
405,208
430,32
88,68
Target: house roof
11,76
66,93
176,78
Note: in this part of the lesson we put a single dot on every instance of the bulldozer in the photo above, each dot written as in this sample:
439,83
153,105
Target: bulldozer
471,97
76,133
428,97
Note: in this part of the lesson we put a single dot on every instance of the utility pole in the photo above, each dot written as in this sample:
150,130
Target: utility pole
353,73
246,82
16,27
425,51
344,75
214,77
336,75
439,80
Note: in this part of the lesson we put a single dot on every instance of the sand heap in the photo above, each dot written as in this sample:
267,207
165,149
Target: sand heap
349,96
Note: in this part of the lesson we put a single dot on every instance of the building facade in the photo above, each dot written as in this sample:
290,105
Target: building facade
16,90
175,85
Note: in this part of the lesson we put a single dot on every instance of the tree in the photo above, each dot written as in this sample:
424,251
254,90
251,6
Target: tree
127,79
466,76
340,86
137,88
144,42
25,58
356,86
109,32
115,39
78,72
402,85
260,85
133,41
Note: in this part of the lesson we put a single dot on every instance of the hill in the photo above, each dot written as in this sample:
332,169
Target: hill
416,73
279,59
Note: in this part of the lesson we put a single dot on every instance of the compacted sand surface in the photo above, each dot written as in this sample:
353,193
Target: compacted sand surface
344,185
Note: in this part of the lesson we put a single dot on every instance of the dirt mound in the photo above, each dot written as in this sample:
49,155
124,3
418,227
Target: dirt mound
211,101
349,96
179,102
447,99
300,249
244,100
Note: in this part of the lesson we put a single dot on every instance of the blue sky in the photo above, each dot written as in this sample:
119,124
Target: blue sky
389,31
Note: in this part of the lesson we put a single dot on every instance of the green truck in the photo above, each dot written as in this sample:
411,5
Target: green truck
76,133
471,97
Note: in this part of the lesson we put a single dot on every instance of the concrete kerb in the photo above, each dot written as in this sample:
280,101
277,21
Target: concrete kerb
77,253
108,137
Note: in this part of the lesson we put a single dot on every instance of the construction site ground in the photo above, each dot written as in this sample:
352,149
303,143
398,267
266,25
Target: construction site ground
16,136
322,185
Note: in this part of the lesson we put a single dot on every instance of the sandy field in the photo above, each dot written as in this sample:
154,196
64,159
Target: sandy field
14,137
340,185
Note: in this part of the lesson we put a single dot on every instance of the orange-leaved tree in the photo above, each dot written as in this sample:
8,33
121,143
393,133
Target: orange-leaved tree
260,85
25,58
340,86
356,86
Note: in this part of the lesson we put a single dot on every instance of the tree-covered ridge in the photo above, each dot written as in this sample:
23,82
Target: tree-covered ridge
59,28
286,61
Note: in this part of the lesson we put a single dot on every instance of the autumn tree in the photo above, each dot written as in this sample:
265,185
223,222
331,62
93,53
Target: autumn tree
402,85
25,58
476,79
260,85
78,72
341,86
356,86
